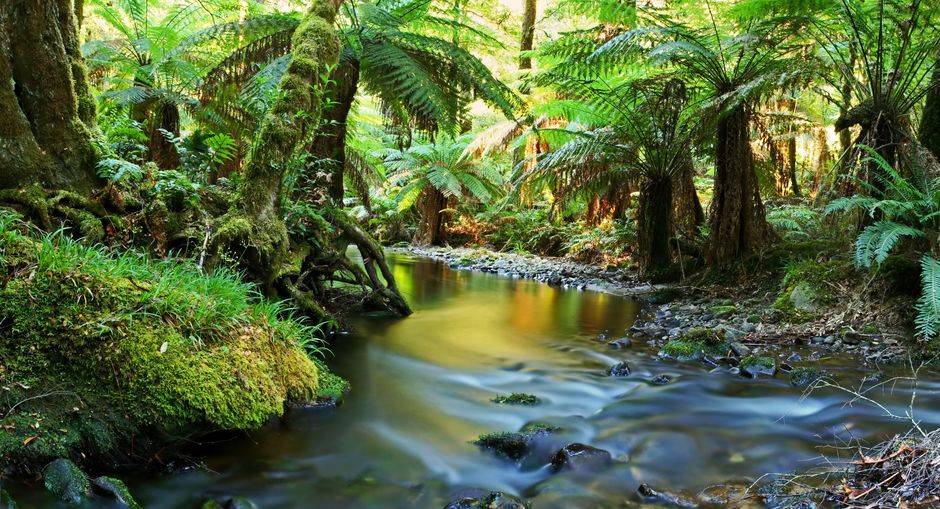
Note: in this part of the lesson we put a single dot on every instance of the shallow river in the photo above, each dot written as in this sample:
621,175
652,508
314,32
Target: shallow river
422,388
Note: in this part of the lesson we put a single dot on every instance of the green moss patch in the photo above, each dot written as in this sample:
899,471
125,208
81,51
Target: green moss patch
805,377
99,350
695,344
808,288
757,365
517,398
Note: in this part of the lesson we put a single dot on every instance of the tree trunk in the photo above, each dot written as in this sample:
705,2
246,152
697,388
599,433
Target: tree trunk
655,228
431,203
329,145
738,226
46,110
528,33
929,134
688,214
315,45
163,151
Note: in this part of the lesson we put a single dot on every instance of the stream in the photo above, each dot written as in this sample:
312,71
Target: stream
422,389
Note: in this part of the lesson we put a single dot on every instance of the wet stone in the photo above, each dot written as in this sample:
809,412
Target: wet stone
474,498
620,343
661,380
620,369
580,458
648,494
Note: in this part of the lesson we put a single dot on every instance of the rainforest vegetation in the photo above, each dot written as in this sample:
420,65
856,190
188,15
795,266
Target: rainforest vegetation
196,196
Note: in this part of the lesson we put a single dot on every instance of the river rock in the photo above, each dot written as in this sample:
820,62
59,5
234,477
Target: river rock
648,494
619,369
65,480
803,298
805,377
661,380
515,446
580,458
620,343
239,503
475,498
114,489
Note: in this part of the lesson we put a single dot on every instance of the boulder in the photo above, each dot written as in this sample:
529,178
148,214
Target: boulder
114,489
65,480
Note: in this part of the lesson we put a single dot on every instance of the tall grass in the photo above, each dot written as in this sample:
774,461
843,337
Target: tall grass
206,307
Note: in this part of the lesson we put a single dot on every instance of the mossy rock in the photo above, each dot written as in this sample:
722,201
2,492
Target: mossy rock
805,377
806,289
116,490
517,398
724,311
73,331
331,387
755,366
695,344
516,445
66,481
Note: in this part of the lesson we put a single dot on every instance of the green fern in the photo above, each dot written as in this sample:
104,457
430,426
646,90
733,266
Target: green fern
928,306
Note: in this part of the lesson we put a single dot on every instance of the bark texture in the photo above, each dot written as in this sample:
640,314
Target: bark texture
528,33
431,204
738,226
930,120
329,145
687,212
47,112
655,225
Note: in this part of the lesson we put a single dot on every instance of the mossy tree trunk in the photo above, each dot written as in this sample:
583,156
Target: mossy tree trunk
47,112
929,134
528,33
329,145
655,224
738,226
163,121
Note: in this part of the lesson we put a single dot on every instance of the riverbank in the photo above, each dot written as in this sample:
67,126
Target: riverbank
815,302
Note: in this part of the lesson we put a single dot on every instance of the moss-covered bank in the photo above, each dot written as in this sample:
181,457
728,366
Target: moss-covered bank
108,357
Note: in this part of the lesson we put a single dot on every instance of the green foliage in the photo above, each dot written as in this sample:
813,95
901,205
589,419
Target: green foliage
517,398
442,166
794,222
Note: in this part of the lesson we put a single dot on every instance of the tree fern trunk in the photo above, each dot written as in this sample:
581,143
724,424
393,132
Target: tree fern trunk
166,118
46,111
528,33
688,214
738,226
655,225
930,119
430,231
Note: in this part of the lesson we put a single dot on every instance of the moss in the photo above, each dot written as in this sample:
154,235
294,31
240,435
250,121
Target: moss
116,490
66,481
807,288
103,370
804,377
695,344
6,502
509,445
331,386
754,318
757,361
517,398
724,311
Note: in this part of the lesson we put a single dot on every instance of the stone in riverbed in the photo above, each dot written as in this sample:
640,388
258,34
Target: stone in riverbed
755,366
114,489
620,343
805,377
648,494
474,498
65,480
514,446
661,380
619,370
580,458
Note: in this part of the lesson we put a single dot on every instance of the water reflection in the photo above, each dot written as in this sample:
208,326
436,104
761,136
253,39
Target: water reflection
422,389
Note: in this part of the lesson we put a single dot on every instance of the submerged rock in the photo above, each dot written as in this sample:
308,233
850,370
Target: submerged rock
517,398
804,377
619,369
755,366
483,499
648,494
661,380
580,458
620,343
65,480
517,445
116,490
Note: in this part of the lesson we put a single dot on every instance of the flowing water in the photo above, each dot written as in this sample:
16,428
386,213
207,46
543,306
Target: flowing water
422,388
